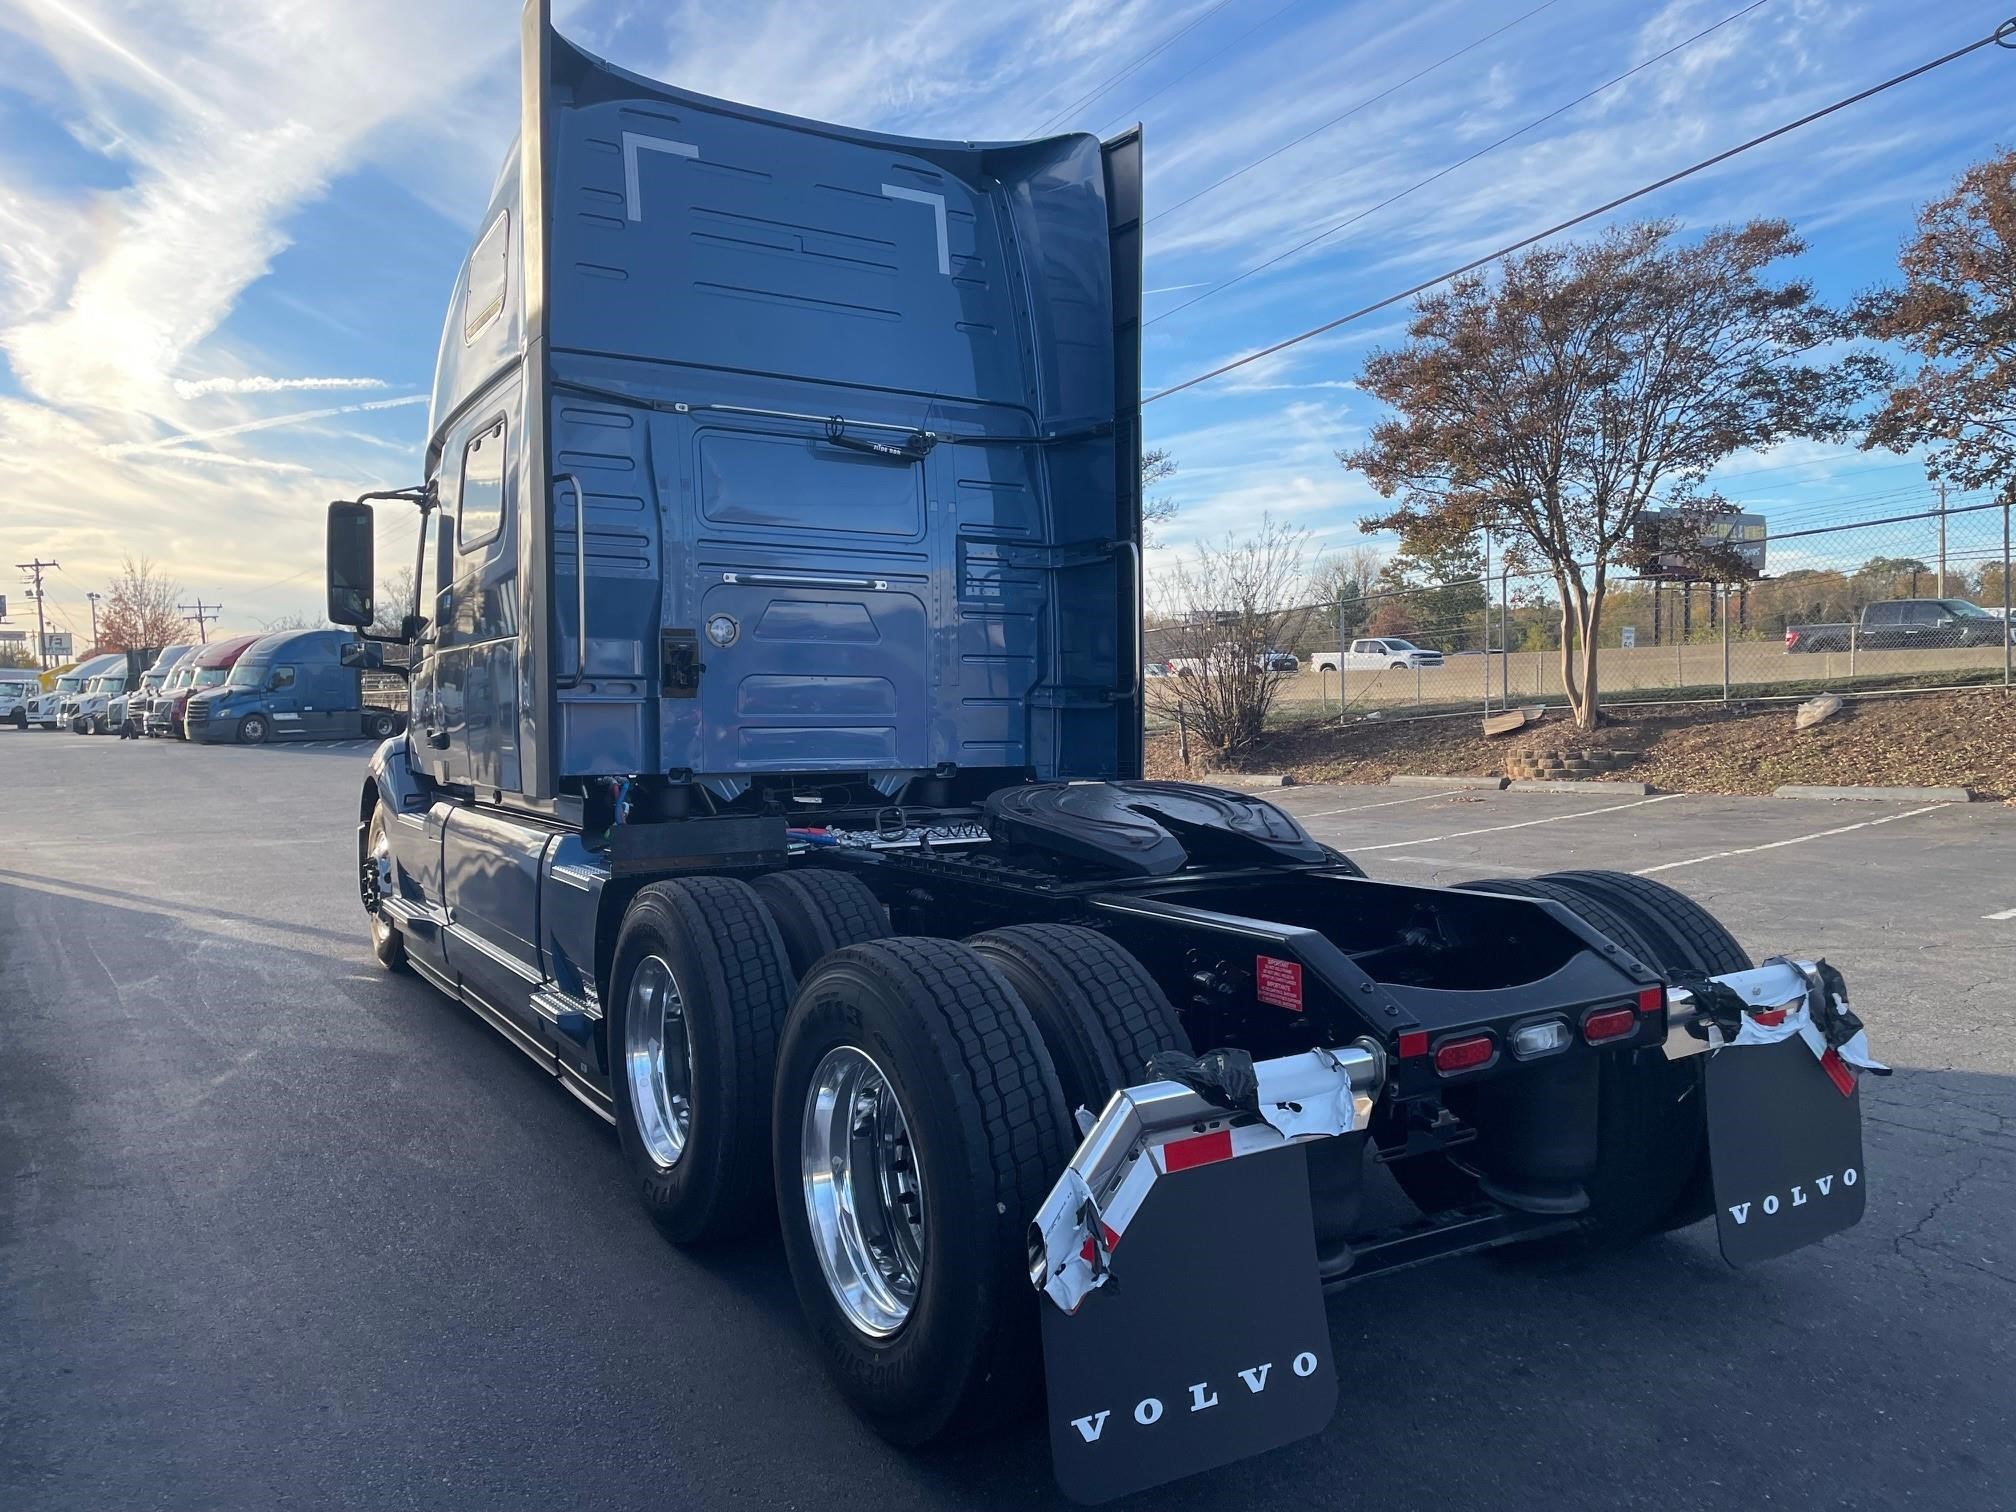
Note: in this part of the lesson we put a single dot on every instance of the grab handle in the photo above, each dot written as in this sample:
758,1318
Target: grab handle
580,584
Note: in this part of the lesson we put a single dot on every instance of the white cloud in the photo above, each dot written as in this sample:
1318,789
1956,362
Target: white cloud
198,388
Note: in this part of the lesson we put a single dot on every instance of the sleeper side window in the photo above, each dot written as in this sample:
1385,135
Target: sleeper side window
480,505
483,300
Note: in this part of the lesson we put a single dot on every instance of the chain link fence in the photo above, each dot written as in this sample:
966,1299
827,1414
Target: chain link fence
1907,601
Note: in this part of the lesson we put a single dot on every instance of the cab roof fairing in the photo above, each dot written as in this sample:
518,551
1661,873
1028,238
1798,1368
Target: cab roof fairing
580,81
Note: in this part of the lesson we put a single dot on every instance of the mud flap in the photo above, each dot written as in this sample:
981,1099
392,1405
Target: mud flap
1208,1344
1784,1148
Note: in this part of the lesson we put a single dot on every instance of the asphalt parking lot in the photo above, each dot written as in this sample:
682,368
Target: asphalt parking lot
279,1230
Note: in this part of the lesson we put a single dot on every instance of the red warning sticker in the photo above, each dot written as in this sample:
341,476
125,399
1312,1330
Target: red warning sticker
1278,982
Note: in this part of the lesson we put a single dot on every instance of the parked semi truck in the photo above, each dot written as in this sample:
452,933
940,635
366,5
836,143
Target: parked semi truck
209,668
774,782
126,712
294,685
46,709
18,690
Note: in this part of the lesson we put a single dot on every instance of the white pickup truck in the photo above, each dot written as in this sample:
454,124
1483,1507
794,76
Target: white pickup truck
1375,655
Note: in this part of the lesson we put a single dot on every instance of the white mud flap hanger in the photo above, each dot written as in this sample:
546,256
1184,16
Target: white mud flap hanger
1226,1106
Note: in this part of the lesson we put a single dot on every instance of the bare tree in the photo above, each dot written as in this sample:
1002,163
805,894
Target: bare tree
141,609
1157,466
1223,609
1344,578
1558,399
395,600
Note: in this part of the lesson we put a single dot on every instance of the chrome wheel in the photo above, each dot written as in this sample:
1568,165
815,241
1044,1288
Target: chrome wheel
375,879
862,1192
658,1056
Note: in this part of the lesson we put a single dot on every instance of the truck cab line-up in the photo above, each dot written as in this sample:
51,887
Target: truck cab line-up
773,781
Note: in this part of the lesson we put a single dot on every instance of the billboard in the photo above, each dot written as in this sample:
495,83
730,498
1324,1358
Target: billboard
1691,546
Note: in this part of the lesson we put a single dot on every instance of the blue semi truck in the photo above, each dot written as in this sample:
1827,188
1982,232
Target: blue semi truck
293,685
774,782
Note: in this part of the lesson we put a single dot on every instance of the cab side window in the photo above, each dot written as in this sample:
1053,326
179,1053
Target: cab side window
480,505
283,677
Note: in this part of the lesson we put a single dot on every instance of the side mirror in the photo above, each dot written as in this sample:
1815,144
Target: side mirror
352,569
366,654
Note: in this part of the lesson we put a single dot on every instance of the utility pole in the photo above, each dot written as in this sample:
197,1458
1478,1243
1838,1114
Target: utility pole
202,613
94,597
1942,542
33,571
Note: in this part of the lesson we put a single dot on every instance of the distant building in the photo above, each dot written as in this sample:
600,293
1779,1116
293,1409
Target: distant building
56,646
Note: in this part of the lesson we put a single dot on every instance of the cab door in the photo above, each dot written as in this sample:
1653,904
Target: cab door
283,702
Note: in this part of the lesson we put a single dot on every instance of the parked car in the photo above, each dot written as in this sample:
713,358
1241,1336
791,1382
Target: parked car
290,686
16,693
1379,654
1905,625
1280,661
209,668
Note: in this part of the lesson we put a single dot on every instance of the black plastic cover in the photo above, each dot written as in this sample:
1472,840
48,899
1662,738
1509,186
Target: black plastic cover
1150,829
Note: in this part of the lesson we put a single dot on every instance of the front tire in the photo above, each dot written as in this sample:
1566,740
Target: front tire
701,989
20,719
375,885
253,730
926,1321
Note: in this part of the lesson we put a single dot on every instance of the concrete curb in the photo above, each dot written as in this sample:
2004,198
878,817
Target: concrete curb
1417,779
1580,785
1878,794
1243,780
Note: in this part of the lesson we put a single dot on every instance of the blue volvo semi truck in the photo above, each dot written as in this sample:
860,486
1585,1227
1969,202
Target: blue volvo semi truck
774,780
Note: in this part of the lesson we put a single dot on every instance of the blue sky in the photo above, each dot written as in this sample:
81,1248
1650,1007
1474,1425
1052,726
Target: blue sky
228,229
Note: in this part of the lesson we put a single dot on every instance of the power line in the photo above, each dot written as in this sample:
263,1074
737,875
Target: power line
1273,15
2004,35
202,614
1163,46
1463,162
1336,120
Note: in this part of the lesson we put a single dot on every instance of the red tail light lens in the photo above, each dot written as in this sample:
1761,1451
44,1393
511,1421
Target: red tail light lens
1652,999
1413,1042
1791,639
1465,1054
1610,1024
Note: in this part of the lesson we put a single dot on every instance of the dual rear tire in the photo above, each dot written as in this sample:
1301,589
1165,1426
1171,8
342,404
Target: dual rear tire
902,1115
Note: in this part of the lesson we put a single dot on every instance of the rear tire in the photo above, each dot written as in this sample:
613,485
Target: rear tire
379,726
701,987
983,1116
819,912
1099,1012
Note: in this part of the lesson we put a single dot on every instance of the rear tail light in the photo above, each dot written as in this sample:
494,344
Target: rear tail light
1652,999
1791,639
1544,1038
1465,1054
1609,1024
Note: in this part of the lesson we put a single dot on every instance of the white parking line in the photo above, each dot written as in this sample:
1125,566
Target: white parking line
1748,850
1388,803
1358,850
2007,913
